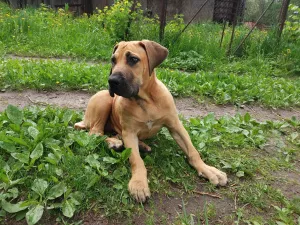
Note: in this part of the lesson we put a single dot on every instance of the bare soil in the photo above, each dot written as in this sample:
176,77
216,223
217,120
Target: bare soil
168,209
188,107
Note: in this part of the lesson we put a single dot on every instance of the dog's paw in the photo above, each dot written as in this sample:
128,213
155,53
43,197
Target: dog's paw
139,189
143,147
214,175
80,126
115,144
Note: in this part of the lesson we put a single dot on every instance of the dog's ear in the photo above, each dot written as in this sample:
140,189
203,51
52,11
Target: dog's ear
115,49
156,53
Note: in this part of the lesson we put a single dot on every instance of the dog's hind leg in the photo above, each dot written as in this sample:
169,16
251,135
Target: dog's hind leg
115,143
97,113
96,117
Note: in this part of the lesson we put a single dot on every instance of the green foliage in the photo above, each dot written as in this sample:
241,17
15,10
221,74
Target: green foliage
254,8
189,61
47,165
284,216
292,25
117,19
45,32
200,38
52,75
232,88
237,132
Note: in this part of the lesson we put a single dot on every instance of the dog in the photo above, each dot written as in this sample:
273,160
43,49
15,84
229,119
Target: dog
136,106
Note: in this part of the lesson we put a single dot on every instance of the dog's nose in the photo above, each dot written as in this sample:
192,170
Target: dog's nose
115,80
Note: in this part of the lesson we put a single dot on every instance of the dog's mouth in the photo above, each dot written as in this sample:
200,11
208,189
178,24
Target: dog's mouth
119,85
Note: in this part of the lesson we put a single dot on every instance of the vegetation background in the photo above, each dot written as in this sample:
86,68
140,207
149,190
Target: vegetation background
48,171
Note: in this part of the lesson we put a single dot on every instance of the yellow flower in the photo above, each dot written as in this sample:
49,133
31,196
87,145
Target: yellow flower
288,51
57,82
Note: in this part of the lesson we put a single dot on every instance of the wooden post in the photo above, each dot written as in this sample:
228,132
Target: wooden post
282,16
163,17
234,22
88,6
223,32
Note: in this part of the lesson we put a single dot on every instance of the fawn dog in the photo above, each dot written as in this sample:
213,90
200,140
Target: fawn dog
136,106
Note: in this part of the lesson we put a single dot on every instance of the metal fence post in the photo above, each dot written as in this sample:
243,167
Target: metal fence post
163,17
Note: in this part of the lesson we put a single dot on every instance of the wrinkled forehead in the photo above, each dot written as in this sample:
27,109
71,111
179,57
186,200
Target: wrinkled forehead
132,47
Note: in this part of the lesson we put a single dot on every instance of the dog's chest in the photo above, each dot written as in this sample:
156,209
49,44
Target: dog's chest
149,124
149,128
149,117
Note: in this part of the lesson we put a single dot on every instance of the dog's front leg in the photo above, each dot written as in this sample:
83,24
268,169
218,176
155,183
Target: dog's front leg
138,184
182,138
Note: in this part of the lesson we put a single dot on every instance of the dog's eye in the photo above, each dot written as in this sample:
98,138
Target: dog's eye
133,60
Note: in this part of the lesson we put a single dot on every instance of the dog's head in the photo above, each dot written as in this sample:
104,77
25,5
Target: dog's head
133,63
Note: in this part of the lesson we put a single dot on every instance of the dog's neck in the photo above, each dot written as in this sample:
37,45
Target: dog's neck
146,91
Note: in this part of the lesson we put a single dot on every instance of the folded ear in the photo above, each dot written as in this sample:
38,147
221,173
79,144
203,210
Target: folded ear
115,48
156,53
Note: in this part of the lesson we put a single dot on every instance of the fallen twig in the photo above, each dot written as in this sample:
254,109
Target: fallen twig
206,193
36,103
245,205
235,196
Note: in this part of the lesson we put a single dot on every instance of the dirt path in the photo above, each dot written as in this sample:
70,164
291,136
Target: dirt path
186,106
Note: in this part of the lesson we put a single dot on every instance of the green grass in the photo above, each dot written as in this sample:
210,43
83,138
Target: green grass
46,165
52,75
222,86
45,32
